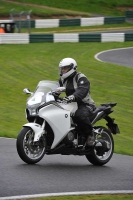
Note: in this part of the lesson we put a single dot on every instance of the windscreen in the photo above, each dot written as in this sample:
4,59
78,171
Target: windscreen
39,95
46,86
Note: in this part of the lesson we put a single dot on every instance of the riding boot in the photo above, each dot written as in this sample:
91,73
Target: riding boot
87,130
87,136
90,140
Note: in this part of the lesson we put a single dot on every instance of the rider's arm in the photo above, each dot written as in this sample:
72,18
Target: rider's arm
60,83
82,89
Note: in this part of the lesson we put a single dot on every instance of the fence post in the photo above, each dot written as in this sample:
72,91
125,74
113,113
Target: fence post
29,22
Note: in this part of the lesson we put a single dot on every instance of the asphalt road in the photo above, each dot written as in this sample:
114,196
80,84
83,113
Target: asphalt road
57,173
123,57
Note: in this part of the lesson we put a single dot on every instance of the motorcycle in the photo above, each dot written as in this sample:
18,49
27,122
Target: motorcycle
51,128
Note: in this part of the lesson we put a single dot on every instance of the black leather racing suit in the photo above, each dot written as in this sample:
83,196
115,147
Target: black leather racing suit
78,85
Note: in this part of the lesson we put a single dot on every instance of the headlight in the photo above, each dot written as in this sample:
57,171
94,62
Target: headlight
32,111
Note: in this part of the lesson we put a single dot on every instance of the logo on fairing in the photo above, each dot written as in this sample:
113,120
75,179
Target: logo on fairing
66,116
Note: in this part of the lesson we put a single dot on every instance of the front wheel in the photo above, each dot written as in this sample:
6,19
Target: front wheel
102,155
29,151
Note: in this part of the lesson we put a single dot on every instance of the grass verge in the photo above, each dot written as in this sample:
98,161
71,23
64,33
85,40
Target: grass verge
38,11
90,197
78,29
58,7
25,65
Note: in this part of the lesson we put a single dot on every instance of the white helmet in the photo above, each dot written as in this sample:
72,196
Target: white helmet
69,64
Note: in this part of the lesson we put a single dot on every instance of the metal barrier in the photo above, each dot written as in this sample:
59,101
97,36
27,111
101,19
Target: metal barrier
21,20
25,38
129,13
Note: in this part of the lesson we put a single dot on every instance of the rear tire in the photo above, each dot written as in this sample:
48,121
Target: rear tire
99,160
29,151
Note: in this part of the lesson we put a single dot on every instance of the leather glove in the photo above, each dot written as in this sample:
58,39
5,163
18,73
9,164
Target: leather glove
68,99
55,94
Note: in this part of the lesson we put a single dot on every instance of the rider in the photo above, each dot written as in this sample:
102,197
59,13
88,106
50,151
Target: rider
78,90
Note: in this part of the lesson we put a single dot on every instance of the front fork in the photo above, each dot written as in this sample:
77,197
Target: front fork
37,128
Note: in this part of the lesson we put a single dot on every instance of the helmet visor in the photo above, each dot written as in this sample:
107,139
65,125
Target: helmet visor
65,69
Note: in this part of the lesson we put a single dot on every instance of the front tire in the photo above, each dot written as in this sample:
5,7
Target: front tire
94,157
29,151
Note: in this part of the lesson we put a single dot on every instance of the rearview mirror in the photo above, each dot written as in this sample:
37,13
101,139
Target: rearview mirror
27,91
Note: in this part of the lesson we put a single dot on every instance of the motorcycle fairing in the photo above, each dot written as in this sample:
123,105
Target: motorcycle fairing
37,129
72,107
59,120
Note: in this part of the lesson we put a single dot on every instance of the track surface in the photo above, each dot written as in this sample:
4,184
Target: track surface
56,173
123,56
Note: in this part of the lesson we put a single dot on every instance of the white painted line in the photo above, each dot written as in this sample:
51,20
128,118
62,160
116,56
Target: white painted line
96,56
7,138
67,194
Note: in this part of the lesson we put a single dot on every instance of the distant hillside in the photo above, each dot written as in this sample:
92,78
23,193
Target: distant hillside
67,8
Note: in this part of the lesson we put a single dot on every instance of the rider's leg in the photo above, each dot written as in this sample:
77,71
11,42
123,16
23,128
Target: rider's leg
82,118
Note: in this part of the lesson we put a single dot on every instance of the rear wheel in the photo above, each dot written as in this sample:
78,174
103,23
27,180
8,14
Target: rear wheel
29,151
100,155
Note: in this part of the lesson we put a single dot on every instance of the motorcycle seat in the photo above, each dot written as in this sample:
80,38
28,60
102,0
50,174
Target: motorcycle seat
103,107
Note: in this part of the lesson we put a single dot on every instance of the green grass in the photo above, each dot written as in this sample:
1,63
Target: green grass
6,7
25,65
87,7
104,7
90,197
78,29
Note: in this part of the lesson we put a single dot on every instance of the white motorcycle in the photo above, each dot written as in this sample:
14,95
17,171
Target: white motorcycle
51,129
